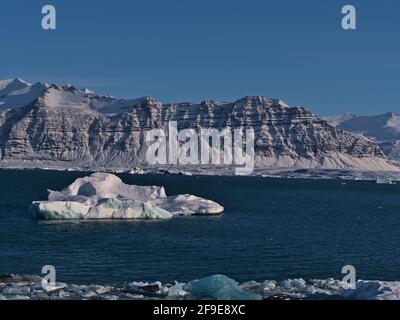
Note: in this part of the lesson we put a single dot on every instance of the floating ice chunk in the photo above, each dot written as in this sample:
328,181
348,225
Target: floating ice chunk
384,180
58,210
293,284
374,290
153,287
18,297
269,285
16,290
250,285
55,287
137,171
220,287
132,296
105,196
177,290
330,284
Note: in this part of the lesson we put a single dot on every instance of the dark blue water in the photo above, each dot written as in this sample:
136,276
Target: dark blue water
272,229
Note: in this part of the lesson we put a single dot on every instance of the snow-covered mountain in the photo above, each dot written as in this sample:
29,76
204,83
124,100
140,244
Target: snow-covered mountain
340,118
16,93
66,126
384,129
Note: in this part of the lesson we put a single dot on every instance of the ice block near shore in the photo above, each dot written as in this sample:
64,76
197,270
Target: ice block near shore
105,196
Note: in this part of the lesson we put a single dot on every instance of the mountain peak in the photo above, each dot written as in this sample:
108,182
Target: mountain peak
12,84
16,93
383,127
273,102
21,81
339,119
392,115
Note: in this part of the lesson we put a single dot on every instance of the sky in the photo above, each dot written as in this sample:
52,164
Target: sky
185,50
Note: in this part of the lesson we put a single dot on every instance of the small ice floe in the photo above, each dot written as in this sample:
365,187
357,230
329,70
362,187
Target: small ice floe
374,290
185,173
137,171
177,290
174,172
14,289
384,180
105,196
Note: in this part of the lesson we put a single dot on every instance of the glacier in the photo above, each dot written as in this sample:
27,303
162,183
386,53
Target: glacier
105,196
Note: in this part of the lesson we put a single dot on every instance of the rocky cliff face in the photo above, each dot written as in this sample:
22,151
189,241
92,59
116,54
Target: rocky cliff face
71,127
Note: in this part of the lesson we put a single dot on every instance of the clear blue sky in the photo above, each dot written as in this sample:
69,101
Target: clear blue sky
184,50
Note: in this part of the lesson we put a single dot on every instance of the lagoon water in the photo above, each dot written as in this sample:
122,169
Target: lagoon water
271,229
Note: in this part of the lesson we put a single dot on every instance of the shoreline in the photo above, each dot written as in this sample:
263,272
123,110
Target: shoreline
217,287
259,172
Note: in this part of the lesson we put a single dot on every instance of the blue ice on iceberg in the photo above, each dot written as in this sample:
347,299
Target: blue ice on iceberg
220,287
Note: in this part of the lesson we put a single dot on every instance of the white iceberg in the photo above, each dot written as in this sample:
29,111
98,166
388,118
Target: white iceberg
105,196
384,180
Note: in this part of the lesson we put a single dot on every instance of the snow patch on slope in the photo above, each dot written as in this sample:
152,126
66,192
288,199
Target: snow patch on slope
69,97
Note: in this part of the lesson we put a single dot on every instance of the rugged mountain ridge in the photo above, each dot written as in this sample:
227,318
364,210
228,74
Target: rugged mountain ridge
68,127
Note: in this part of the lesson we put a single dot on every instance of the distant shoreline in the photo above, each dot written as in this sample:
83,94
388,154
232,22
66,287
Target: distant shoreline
260,172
